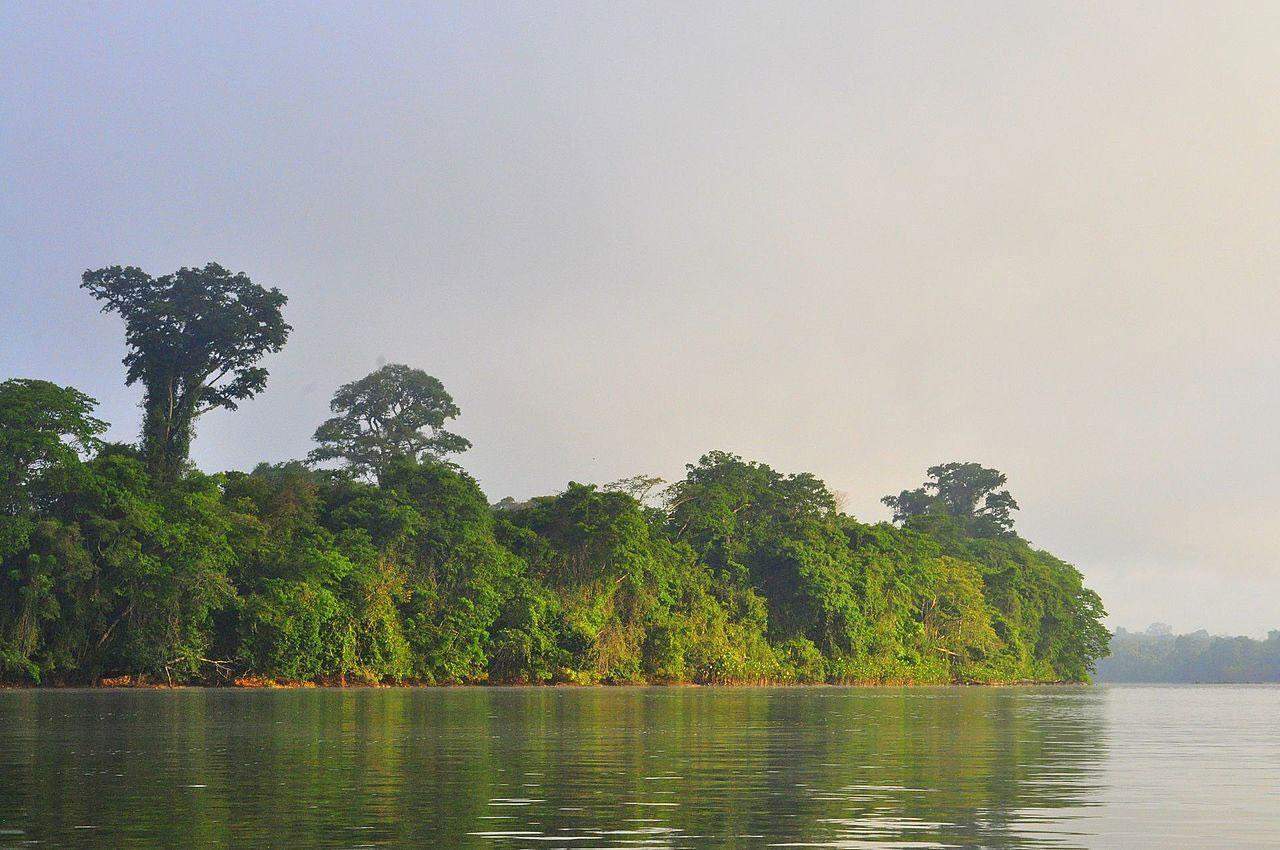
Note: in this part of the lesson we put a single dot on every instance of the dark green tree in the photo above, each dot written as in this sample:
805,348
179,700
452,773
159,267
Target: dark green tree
44,429
42,426
727,508
969,492
194,338
395,412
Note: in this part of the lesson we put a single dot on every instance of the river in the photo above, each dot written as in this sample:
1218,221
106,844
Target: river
505,768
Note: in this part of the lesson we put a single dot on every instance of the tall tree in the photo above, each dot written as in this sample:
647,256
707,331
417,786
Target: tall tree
194,338
969,492
395,412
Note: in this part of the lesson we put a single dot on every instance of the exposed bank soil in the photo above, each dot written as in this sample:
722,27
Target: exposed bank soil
265,683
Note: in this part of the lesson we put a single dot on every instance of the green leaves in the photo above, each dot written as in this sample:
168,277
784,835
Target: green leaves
396,412
965,492
194,337
43,428
746,574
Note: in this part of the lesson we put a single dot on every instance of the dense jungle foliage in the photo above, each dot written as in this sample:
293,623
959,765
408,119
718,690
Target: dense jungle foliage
379,560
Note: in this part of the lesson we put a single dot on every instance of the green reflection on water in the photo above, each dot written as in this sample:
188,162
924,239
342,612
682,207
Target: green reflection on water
586,767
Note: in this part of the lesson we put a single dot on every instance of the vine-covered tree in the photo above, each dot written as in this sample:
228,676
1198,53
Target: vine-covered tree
968,492
194,337
395,412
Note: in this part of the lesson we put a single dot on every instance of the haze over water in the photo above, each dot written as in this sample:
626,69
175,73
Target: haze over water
658,767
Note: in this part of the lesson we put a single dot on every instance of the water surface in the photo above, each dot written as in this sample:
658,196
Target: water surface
654,767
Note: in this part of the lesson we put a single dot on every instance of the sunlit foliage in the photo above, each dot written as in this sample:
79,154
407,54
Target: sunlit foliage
125,561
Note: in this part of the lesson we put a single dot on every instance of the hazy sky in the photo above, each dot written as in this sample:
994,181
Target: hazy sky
851,239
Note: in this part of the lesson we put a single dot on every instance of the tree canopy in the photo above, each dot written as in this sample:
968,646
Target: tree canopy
42,426
194,337
395,412
967,492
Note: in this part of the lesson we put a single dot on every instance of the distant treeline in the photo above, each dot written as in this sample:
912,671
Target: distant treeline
378,560
1158,655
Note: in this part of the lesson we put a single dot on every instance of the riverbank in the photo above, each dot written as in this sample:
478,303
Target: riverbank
262,683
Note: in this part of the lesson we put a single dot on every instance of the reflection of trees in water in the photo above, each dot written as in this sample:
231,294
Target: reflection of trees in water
989,766
951,766
992,765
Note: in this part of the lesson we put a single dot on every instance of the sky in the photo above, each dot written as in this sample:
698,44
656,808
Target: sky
851,239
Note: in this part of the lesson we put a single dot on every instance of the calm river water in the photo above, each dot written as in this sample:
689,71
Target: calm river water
1111,766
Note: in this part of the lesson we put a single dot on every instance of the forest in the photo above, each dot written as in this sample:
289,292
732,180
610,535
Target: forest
1159,655
376,558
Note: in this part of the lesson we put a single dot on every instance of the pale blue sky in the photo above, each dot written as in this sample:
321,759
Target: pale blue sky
851,239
